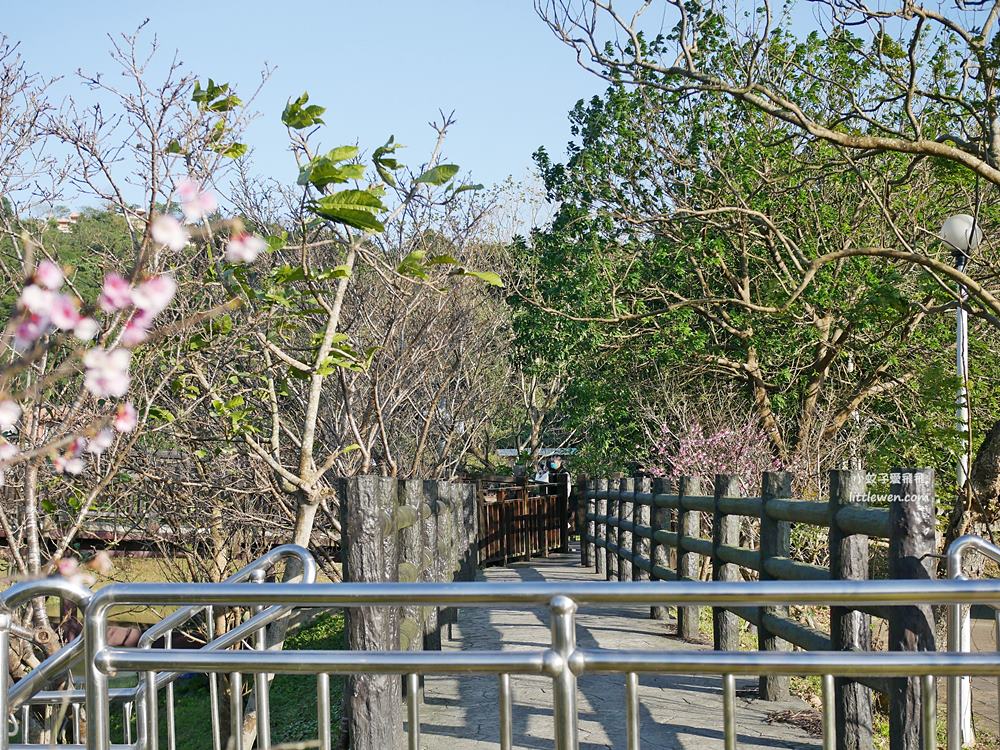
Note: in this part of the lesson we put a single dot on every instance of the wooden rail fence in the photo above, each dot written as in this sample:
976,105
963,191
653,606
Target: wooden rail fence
519,520
641,529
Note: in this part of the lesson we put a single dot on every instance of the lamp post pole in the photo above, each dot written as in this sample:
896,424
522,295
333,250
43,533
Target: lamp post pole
963,234
962,371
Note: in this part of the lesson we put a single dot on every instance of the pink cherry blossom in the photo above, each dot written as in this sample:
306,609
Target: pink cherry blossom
154,295
64,314
85,329
742,450
49,275
196,203
101,563
29,330
106,371
69,465
10,412
126,417
67,566
101,441
37,300
166,230
137,329
116,294
244,248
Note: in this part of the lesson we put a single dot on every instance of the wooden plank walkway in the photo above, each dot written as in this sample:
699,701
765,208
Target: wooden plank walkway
682,712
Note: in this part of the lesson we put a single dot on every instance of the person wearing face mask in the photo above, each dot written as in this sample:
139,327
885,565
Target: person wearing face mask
558,475
561,484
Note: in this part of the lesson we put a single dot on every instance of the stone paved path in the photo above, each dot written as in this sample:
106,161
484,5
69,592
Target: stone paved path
984,689
682,712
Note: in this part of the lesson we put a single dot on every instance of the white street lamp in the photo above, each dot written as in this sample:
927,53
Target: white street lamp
963,234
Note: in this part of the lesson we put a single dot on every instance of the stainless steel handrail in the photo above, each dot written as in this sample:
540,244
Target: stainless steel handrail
179,617
561,660
959,687
15,596
28,691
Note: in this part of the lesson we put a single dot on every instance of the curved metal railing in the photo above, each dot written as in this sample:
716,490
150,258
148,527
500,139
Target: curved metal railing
960,731
29,691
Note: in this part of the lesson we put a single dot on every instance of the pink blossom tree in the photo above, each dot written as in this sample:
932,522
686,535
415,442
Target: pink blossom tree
742,449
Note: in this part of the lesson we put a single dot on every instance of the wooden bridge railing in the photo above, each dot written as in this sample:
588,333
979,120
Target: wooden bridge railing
519,519
641,529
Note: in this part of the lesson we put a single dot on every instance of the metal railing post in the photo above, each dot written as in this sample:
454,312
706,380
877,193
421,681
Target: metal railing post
213,686
562,610
323,710
236,711
506,714
169,695
152,720
262,682
97,681
828,715
632,734
729,711
413,710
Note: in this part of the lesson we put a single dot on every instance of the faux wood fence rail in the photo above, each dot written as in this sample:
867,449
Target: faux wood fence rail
640,529
520,520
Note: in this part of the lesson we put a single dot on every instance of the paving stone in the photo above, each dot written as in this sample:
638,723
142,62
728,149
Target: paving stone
677,712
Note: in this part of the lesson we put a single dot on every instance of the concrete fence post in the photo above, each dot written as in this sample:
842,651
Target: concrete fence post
912,544
373,708
775,541
640,517
626,516
659,554
601,526
725,531
850,630
688,525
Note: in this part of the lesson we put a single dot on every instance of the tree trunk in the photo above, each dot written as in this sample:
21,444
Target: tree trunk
977,504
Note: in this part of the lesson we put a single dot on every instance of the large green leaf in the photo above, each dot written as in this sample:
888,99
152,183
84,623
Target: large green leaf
438,175
298,114
354,208
413,265
489,277
214,97
231,150
326,170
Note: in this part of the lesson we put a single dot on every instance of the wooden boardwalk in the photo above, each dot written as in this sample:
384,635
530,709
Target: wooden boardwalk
676,711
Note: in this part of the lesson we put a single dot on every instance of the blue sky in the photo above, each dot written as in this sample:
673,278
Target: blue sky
380,67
